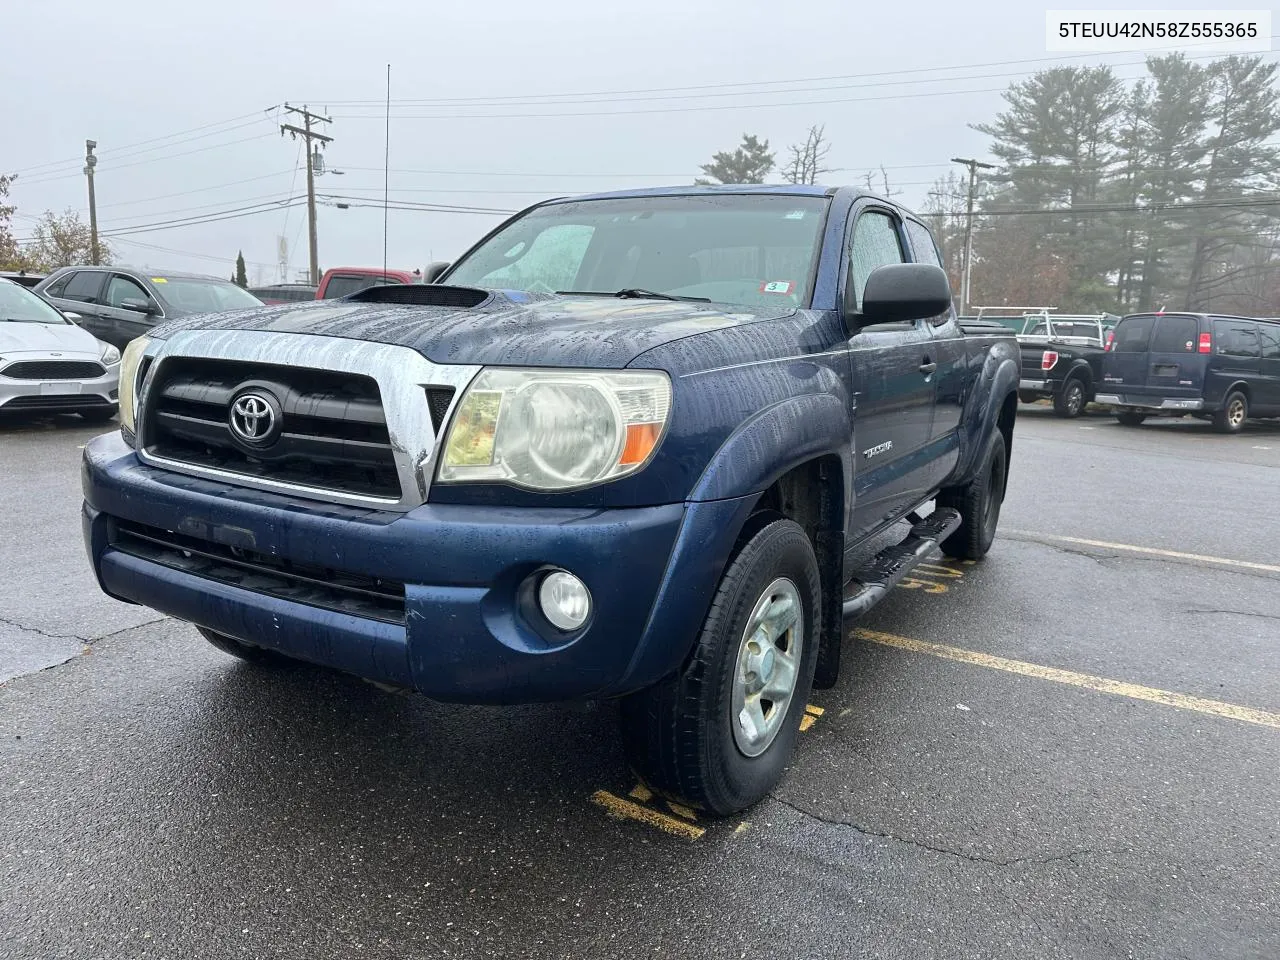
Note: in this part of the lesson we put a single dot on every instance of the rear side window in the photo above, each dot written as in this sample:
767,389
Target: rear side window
1236,339
84,286
58,287
1175,335
1132,335
1270,334
922,244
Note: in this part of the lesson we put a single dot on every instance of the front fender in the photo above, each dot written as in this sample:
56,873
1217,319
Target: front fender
997,379
776,440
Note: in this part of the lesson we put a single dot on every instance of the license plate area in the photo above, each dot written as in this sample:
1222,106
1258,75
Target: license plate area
1164,370
59,388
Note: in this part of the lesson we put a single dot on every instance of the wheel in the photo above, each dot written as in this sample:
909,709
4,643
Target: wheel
1234,412
718,736
979,504
240,649
1128,418
1027,398
1071,400
98,414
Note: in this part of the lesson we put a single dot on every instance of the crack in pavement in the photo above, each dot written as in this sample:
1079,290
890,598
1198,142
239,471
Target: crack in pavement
1237,613
920,844
40,632
1126,558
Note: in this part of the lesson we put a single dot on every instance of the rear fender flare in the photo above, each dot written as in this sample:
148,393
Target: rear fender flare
997,380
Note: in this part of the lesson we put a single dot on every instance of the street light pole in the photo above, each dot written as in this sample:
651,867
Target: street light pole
90,161
973,166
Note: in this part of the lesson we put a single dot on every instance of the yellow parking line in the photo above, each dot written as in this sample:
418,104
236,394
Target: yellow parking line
626,810
1152,551
1117,687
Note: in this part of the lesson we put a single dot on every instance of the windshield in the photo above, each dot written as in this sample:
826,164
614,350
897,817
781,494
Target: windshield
195,295
730,248
19,305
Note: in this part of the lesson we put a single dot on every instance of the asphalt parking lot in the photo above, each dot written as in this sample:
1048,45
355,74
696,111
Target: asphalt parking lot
1071,749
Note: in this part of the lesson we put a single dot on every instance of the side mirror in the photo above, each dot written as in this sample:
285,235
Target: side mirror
137,306
433,271
73,317
902,292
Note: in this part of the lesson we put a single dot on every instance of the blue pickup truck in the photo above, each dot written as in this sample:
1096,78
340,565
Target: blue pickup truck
633,445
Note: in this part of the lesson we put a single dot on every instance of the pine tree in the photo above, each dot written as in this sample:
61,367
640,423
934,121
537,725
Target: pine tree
751,162
239,278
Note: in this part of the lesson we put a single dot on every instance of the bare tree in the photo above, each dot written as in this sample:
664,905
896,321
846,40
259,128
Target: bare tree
805,165
882,188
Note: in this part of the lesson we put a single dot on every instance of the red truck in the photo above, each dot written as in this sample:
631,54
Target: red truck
343,281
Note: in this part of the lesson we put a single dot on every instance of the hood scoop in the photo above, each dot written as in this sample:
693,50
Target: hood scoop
423,295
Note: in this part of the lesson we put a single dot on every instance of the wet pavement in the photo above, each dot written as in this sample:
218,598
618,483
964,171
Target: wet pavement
1069,750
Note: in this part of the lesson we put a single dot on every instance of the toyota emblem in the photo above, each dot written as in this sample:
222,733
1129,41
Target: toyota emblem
253,418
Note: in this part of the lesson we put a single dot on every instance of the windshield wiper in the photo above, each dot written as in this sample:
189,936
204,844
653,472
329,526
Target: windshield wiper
632,293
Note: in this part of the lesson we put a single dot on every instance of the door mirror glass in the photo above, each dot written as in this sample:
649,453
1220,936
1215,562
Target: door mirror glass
902,292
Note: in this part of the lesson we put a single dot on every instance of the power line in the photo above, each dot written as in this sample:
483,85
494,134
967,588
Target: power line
207,218
217,207
757,83
135,163
188,253
205,189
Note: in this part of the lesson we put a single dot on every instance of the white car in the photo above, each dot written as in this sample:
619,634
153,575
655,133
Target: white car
49,365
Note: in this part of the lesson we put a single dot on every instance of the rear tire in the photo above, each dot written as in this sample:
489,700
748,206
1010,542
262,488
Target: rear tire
98,414
242,650
1070,401
1128,419
1028,397
1234,412
711,737
979,504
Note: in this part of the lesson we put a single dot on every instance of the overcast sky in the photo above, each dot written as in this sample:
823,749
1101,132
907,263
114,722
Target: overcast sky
129,72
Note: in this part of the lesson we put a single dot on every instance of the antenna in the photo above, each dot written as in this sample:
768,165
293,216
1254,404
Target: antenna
386,175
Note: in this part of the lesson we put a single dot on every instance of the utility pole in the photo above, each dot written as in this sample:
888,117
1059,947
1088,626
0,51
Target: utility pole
308,135
90,161
973,166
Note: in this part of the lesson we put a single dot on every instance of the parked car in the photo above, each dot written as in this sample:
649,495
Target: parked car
118,304
48,364
22,277
1062,360
658,484
343,281
285,292
1220,368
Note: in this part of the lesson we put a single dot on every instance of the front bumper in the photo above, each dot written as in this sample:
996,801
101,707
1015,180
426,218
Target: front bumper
465,634
1150,403
59,395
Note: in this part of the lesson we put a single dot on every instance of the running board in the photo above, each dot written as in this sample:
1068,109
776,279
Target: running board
870,584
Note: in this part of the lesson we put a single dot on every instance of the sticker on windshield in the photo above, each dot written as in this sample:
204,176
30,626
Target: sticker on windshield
794,215
777,286
159,280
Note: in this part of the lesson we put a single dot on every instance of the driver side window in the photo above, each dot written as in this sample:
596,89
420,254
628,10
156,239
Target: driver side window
121,289
875,243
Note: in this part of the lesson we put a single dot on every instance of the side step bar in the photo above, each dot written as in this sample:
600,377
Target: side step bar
870,584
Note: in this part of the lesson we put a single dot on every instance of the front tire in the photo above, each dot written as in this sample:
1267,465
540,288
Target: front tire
1234,412
979,504
1071,400
241,650
719,735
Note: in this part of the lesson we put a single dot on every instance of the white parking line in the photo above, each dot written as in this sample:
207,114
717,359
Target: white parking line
1150,551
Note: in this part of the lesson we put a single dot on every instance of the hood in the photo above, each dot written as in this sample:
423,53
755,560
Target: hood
505,327
46,337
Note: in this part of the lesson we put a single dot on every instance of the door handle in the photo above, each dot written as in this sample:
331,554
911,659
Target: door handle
928,367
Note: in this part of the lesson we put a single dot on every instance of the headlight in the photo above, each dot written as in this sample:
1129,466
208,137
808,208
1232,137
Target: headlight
128,381
109,354
555,429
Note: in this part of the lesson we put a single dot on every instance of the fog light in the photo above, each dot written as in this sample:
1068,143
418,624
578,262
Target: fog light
565,600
